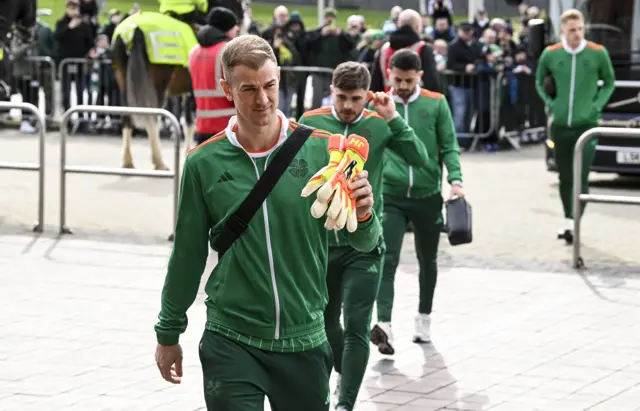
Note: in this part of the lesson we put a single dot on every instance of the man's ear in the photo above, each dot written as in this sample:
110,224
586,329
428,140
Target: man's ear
388,72
278,73
226,87
420,73
331,89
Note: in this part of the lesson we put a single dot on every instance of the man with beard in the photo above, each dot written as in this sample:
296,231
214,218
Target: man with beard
353,276
413,194
213,110
406,36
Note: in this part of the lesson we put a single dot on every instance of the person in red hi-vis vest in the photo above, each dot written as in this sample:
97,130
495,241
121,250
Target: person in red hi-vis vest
213,109
407,36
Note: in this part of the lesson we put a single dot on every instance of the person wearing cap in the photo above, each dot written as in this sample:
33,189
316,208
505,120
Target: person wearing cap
213,110
296,32
463,54
367,52
184,10
329,46
406,36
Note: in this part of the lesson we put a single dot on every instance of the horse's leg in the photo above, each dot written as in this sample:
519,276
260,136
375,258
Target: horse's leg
188,127
127,133
154,144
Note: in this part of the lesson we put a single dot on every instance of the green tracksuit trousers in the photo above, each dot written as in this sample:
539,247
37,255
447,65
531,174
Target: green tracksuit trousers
237,377
352,281
426,216
565,140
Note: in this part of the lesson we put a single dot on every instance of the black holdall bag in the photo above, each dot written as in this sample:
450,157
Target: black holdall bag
459,224
238,222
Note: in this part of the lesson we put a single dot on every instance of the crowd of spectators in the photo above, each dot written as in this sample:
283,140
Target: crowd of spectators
481,63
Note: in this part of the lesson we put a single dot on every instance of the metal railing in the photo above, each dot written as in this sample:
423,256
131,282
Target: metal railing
39,166
66,169
47,79
579,198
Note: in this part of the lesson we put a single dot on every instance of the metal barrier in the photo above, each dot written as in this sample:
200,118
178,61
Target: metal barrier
65,169
39,167
480,118
579,198
47,82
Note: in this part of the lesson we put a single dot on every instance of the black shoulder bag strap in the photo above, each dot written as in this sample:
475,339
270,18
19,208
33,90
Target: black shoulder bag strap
238,222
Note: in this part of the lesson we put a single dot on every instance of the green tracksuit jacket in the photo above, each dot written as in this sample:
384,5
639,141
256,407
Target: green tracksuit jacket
269,289
578,101
429,115
396,135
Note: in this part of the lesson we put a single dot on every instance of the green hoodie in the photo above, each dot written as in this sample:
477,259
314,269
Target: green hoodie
428,113
395,135
269,290
578,100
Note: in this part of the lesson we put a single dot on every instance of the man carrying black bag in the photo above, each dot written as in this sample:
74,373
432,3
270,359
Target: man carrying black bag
413,194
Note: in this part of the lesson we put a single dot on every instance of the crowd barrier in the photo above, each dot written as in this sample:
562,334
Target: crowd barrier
579,198
491,106
67,169
40,165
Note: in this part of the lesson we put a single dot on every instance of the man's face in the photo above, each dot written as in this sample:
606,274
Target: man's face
464,34
377,43
442,25
489,37
73,9
328,20
115,19
440,48
426,21
102,43
254,93
348,104
573,30
233,33
282,17
404,82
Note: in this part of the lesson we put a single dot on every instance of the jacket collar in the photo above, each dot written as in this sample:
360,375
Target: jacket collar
412,98
230,131
568,49
334,113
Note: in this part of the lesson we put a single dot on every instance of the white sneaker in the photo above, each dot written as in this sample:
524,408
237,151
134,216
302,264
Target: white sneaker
423,328
336,392
382,337
341,408
27,128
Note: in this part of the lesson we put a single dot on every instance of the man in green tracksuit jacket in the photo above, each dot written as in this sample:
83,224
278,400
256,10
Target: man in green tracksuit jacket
414,194
353,276
575,65
266,296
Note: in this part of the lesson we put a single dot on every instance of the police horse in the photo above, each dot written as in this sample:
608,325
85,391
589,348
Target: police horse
150,57
17,35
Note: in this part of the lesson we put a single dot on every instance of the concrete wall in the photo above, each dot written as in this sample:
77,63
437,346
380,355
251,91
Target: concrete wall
494,7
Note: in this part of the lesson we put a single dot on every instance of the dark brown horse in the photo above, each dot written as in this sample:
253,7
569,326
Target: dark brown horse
148,85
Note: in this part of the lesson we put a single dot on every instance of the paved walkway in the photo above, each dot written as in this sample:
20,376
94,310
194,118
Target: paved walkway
77,334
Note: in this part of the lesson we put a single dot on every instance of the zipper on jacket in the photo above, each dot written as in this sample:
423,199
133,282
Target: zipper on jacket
272,269
572,89
335,232
406,120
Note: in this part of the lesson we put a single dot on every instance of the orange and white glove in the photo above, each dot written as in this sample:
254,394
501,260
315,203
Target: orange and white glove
337,145
342,208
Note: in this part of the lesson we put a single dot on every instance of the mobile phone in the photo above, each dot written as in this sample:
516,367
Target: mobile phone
332,24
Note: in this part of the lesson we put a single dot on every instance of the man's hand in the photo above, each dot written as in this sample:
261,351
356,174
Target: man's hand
470,68
75,22
169,362
363,193
383,105
277,42
326,30
456,191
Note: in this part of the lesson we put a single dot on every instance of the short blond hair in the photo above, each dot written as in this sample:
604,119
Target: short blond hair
246,50
571,14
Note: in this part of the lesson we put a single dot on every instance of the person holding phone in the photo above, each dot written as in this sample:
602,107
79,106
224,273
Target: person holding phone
329,46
